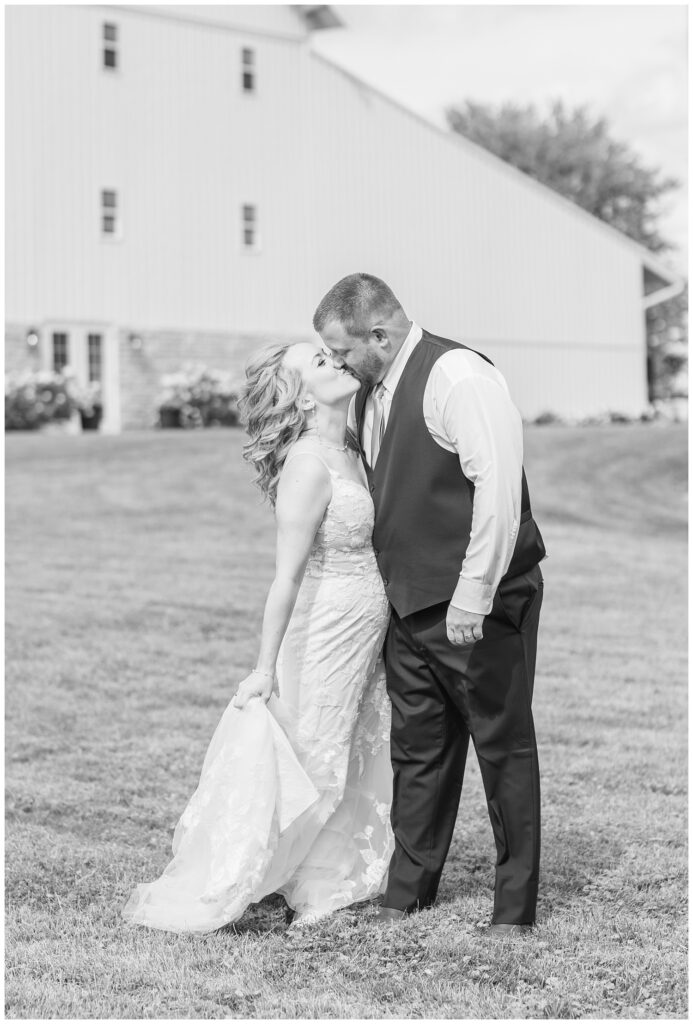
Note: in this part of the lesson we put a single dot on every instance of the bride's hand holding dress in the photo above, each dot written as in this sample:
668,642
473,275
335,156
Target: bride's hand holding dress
257,684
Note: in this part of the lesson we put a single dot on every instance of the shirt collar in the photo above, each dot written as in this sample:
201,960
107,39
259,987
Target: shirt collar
391,378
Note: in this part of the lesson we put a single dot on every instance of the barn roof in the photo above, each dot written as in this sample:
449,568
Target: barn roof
279,21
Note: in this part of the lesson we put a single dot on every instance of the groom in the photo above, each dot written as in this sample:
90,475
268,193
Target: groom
458,550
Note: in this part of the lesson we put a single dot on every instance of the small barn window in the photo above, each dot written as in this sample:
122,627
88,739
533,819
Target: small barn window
110,221
250,230
110,45
94,356
248,69
60,351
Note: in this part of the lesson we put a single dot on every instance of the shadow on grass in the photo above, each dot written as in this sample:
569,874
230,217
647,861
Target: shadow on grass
270,915
573,861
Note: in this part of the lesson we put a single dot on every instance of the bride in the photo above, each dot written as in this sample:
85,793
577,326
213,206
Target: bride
295,790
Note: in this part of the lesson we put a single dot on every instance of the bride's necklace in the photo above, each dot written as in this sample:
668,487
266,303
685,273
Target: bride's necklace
334,447
328,444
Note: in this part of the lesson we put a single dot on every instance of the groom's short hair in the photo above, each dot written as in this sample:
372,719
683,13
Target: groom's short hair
353,302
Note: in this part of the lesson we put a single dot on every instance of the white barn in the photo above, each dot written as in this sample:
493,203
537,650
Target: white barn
185,182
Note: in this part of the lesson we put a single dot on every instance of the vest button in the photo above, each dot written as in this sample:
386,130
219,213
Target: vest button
372,488
386,583
376,551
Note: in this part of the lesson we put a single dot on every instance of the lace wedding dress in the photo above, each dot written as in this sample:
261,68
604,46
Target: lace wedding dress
294,795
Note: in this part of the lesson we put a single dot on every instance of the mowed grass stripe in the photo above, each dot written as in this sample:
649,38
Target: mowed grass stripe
137,568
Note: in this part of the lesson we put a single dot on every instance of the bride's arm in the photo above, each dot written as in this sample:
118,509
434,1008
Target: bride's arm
303,494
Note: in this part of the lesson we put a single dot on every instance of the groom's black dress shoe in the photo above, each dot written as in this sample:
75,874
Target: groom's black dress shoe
508,931
386,915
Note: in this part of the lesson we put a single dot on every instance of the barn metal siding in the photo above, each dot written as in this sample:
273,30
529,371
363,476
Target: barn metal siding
468,246
478,253
173,133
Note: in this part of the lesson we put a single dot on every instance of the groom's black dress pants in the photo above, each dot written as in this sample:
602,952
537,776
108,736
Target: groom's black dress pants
441,695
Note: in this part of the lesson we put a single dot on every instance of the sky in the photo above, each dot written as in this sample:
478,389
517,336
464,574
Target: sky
626,62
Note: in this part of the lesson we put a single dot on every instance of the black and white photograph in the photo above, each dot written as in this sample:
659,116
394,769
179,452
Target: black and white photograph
346,452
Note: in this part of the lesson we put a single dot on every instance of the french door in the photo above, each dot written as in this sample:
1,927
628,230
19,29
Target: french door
90,353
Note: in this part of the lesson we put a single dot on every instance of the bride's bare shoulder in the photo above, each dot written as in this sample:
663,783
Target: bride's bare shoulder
305,487
305,465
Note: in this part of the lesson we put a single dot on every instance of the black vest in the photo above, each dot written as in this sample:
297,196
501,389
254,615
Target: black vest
423,501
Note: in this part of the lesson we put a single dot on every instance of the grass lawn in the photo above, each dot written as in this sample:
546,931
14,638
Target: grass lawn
136,572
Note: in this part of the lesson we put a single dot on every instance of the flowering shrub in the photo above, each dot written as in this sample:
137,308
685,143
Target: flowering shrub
86,397
198,397
32,399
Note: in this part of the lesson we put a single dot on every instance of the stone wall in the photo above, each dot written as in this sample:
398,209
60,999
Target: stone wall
140,367
18,356
162,352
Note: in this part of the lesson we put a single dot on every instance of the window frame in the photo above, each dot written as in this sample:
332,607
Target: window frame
250,224
110,45
65,337
93,336
110,210
248,71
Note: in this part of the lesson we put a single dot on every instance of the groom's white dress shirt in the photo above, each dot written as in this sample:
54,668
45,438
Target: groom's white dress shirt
468,410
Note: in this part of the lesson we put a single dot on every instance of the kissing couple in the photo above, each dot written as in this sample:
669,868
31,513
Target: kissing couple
402,620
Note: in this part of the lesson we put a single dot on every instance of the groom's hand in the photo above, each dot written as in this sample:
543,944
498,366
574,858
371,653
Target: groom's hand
464,628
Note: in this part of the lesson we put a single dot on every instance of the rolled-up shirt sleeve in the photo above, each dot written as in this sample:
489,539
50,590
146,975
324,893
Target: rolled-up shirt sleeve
474,413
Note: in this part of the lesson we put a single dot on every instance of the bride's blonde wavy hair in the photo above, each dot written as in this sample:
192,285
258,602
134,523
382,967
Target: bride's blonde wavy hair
271,414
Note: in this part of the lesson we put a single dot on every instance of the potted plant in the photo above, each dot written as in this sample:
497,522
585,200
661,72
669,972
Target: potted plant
196,396
88,402
172,399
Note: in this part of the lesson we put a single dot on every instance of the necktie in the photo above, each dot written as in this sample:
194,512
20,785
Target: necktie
378,422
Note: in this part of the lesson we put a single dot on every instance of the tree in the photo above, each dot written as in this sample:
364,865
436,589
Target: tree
667,349
574,154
